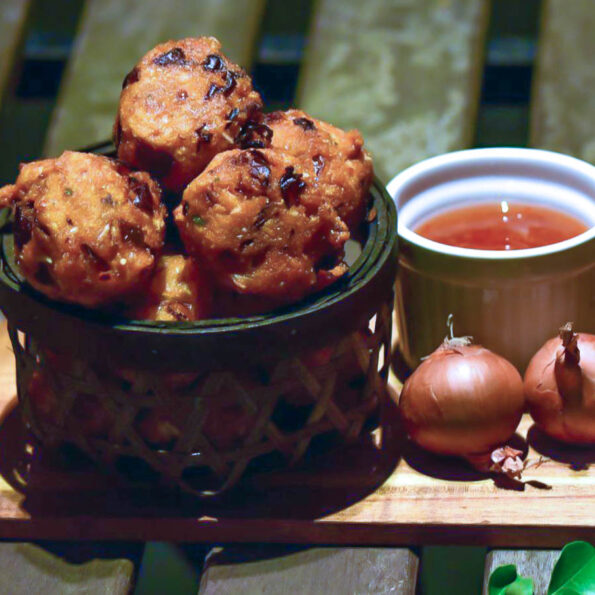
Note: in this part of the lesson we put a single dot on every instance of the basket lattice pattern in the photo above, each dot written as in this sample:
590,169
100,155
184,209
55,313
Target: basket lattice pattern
202,433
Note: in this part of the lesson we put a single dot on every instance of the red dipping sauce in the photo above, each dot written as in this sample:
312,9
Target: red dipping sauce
501,226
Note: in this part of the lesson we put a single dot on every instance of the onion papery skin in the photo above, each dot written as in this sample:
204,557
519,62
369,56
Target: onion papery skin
570,421
462,401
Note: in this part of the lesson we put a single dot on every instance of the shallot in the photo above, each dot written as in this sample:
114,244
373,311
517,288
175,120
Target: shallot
463,399
560,387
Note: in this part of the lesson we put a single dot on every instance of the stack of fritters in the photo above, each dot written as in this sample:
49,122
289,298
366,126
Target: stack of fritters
265,202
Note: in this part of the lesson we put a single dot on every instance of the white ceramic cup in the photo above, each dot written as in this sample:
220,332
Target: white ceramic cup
510,301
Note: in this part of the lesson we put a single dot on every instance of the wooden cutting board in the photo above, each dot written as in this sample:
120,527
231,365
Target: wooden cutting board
360,493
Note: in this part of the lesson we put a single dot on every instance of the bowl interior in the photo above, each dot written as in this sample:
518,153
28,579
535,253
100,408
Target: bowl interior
487,175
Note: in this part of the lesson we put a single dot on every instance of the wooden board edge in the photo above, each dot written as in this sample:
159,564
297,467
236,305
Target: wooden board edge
285,531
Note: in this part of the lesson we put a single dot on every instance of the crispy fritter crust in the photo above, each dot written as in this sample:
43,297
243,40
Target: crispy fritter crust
252,217
87,229
179,291
342,168
183,103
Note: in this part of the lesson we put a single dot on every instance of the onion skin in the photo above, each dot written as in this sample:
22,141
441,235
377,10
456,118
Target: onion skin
560,390
463,400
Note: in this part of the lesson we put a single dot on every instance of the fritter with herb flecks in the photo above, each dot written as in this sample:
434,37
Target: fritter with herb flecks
183,103
251,218
343,170
87,229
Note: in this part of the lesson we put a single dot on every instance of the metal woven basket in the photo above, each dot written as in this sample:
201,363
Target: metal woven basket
196,405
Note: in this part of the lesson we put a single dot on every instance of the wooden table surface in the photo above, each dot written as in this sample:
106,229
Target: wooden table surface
359,494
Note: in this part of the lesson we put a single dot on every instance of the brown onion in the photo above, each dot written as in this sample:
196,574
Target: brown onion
462,400
560,387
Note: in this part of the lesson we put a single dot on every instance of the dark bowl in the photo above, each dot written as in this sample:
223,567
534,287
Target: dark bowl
316,321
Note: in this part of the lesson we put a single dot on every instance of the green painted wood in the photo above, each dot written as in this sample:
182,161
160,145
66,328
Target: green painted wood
13,14
451,570
406,74
309,571
112,37
536,564
563,102
27,569
502,125
170,568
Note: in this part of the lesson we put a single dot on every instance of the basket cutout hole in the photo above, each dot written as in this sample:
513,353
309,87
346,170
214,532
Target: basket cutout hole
373,323
290,417
381,357
136,469
22,338
156,428
201,478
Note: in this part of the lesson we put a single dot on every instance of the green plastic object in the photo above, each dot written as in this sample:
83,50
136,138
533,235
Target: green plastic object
506,581
574,572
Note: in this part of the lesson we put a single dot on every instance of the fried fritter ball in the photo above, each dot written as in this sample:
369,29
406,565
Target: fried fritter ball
342,168
251,217
87,230
183,103
179,291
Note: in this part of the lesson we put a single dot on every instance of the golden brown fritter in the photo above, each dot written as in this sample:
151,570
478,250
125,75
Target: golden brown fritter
252,219
183,103
342,169
87,230
179,291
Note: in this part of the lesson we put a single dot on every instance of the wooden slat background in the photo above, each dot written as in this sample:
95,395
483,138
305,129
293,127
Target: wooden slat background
313,571
13,14
406,74
563,102
27,569
112,37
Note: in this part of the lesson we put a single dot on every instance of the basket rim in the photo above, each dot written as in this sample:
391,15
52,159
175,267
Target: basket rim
256,341
376,250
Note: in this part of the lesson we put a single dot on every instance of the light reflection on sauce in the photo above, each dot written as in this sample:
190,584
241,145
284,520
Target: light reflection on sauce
501,225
